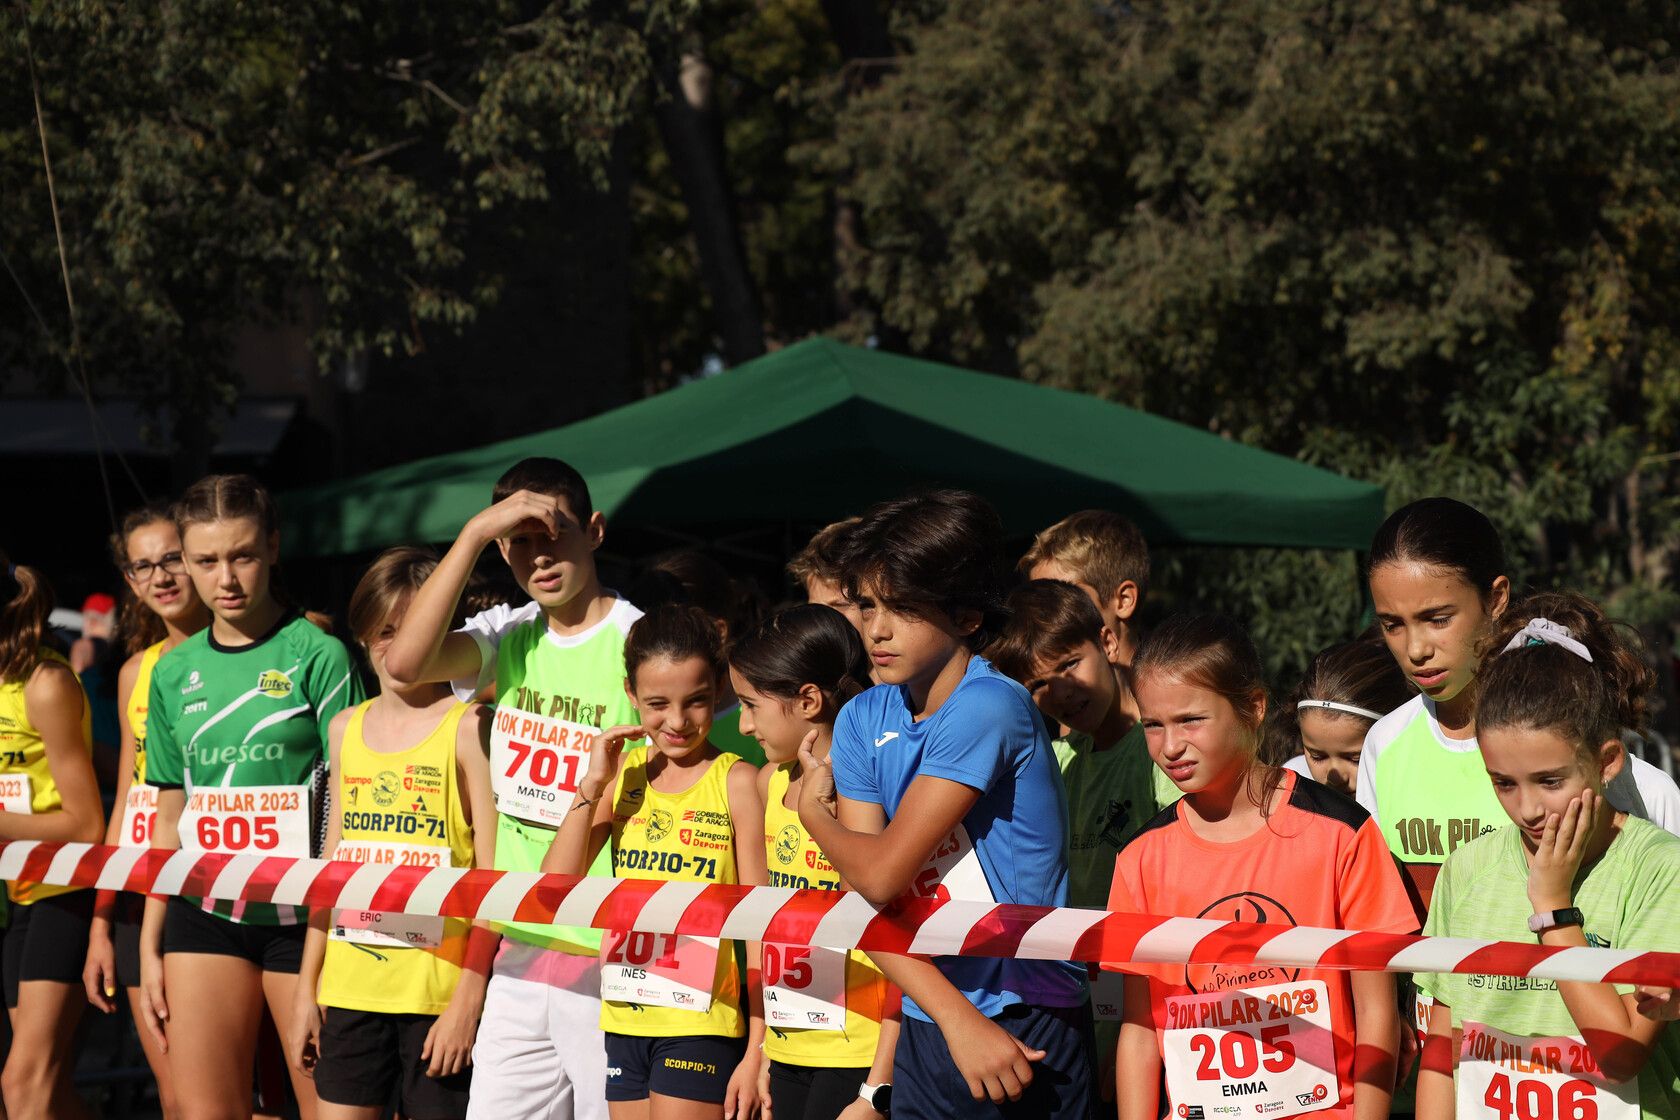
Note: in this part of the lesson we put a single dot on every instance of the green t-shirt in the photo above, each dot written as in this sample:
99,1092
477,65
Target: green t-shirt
1631,900
726,736
549,688
1110,794
233,717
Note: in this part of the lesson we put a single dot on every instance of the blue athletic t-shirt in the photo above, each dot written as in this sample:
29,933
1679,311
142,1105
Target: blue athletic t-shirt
987,736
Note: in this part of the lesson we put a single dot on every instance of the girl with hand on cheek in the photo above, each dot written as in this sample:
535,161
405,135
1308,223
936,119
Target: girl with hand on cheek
1569,870
681,1042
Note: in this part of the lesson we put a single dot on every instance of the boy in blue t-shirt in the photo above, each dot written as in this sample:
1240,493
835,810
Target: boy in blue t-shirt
947,785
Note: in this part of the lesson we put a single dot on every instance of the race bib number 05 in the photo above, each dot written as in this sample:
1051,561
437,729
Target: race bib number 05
16,794
1519,1077
379,927
662,969
139,814
535,763
804,988
1269,1050
257,820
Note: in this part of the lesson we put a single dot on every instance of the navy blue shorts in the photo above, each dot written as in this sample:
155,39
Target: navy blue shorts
693,1067
927,1086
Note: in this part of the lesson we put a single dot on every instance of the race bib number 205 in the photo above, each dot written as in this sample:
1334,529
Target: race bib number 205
535,763
1268,1050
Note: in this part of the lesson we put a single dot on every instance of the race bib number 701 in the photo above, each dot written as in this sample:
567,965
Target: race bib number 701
535,764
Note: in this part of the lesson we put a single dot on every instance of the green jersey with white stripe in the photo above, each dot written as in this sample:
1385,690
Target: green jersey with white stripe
251,719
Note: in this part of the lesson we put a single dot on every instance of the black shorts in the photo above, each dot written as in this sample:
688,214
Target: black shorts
813,1092
371,1059
125,938
927,1084
188,929
46,940
693,1067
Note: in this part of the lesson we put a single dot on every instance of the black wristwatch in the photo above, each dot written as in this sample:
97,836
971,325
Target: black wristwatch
1553,919
878,1096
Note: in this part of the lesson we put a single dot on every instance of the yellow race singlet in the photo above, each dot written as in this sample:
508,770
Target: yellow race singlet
26,782
656,985
822,1007
397,807
139,810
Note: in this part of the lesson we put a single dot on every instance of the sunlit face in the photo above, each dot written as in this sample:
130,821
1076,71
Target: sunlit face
1537,773
1077,688
380,641
674,700
554,570
156,571
830,594
772,720
1195,735
1332,742
1432,618
907,647
230,562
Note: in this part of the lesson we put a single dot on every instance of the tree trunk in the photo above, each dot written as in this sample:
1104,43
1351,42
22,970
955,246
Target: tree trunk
692,129
865,48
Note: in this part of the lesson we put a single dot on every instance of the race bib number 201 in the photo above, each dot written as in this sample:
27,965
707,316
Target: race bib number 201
1515,1077
535,764
1268,1049
662,969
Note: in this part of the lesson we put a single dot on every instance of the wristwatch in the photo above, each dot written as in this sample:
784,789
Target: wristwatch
1552,919
878,1096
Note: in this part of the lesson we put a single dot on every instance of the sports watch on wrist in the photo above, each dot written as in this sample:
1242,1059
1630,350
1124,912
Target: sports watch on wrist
1553,919
879,1097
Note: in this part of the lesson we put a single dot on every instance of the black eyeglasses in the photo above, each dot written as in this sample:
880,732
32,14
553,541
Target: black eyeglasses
142,571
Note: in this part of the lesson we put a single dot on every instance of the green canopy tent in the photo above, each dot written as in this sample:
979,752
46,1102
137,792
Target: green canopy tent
820,430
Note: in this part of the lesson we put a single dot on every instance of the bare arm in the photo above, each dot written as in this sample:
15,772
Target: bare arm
126,678
53,702
746,817
1137,1058
472,764
1435,1100
1376,1040
588,823
424,648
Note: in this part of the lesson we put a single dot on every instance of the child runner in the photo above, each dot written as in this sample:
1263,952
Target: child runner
387,1005
677,1047
557,665
1320,730
830,1033
1569,870
236,744
947,784
47,792
1103,555
1437,583
1056,644
160,612
816,570
1249,842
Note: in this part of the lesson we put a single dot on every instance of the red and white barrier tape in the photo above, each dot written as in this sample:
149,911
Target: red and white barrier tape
832,919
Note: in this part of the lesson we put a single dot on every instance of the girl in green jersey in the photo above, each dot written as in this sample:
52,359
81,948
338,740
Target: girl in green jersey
236,746
1570,871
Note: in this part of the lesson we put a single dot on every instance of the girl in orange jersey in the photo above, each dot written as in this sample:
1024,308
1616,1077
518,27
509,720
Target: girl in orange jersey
1249,842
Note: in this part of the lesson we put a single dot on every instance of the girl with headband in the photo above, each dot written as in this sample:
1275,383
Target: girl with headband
1570,870
1320,730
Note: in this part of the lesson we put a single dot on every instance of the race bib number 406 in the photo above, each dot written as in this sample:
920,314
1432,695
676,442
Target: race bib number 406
259,820
535,763
1518,1077
1268,1049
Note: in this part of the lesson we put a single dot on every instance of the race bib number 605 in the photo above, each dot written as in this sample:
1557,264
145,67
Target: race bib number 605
1269,1049
258,820
535,763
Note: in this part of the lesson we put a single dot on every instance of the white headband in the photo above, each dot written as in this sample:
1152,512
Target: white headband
1545,632
1336,707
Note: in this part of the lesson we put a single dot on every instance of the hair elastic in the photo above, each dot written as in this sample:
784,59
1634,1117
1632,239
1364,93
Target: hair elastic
1336,706
1545,632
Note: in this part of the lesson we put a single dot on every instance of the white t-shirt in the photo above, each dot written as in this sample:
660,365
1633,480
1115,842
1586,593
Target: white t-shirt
1299,764
488,627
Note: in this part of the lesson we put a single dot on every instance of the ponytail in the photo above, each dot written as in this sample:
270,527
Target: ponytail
26,601
806,644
